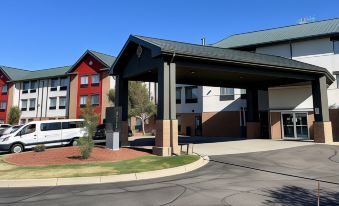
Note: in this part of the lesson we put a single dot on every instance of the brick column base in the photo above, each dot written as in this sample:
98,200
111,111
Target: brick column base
166,138
124,134
323,132
253,130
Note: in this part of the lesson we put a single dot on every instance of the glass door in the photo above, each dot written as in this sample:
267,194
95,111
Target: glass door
301,125
288,125
295,125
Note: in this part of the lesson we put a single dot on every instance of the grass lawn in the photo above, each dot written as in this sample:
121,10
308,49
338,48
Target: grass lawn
141,164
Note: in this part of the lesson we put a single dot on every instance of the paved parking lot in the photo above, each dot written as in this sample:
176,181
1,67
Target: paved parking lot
280,177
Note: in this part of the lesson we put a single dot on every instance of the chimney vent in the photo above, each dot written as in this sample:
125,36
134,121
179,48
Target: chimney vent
203,41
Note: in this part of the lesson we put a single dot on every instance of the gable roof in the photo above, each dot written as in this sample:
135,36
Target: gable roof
228,55
44,73
105,59
281,34
14,73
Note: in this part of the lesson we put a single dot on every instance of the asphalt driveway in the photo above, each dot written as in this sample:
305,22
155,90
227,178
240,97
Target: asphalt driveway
280,177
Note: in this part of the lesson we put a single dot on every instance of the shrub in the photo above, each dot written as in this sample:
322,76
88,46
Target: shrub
13,115
39,148
86,145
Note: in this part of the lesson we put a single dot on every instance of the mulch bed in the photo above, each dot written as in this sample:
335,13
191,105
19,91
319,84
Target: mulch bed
71,155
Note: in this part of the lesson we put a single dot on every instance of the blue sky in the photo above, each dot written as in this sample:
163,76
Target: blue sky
39,34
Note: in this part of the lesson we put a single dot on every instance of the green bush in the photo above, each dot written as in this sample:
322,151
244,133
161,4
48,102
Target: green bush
39,148
86,146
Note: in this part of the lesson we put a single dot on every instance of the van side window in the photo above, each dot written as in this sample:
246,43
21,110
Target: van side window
50,126
72,125
28,129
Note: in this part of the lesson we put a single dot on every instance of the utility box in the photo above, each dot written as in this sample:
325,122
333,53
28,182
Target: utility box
112,127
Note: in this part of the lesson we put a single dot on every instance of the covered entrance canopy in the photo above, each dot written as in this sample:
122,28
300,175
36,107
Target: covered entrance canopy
170,63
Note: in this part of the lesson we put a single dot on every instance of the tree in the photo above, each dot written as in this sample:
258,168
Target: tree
111,96
139,103
90,123
13,115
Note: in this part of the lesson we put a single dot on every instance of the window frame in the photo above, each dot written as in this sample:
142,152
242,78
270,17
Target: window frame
52,107
3,109
62,106
55,88
226,96
97,83
63,87
33,90
24,108
30,108
24,91
2,89
80,102
81,84
92,99
191,100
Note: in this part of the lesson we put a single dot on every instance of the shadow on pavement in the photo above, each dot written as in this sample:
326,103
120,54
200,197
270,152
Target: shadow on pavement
293,195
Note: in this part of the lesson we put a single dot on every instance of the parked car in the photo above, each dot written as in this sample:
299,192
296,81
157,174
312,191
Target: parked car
10,130
100,133
3,127
50,133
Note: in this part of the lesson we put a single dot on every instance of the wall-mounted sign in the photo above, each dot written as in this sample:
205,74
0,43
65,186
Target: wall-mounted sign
316,110
139,51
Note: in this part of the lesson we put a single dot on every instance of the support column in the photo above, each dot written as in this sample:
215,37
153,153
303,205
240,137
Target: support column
166,139
252,122
121,88
322,125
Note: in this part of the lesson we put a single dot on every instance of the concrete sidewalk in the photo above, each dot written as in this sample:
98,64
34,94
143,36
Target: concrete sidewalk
245,146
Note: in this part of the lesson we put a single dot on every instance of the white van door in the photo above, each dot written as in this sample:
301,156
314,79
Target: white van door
71,130
50,133
29,135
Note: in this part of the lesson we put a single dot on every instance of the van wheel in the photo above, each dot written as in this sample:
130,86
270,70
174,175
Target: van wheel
74,142
17,148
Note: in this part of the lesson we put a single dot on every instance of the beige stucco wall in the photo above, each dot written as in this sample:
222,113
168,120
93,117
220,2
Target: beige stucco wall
73,89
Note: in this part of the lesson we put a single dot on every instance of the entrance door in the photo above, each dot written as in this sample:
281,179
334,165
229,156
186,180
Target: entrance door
295,125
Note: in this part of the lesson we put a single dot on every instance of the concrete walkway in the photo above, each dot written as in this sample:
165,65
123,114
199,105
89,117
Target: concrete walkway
245,146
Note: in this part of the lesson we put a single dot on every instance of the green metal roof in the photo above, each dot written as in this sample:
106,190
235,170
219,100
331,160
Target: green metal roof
288,33
230,55
14,73
107,59
45,73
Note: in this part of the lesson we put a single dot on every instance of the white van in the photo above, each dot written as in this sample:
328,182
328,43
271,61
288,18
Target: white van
49,133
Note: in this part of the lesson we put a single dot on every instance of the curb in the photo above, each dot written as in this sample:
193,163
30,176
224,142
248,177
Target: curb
105,179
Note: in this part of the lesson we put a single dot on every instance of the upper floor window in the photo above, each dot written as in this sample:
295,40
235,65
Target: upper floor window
84,81
191,94
4,89
32,104
54,84
178,95
83,100
95,99
63,83
52,102
336,46
25,87
33,86
95,79
3,105
62,102
24,105
226,93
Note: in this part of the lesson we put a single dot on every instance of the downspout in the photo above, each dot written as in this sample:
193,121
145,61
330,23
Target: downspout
37,99
42,97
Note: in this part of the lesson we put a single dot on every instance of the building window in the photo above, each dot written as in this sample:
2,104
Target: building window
84,81
54,84
178,95
242,93
23,121
25,87
191,94
95,79
24,105
63,83
4,89
52,103
32,104
83,100
226,93
336,47
62,102
33,86
95,99
3,106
